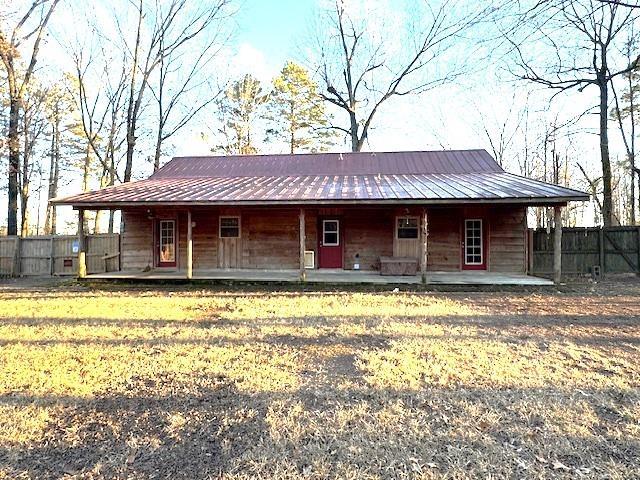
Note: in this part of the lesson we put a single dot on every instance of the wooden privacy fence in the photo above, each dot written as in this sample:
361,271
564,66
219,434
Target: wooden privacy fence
58,254
612,249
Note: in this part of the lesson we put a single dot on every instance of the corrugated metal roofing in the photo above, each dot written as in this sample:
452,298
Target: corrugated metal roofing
417,177
359,163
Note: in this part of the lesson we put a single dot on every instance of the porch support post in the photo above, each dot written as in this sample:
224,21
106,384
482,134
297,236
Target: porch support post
189,246
423,245
303,273
82,248
557,244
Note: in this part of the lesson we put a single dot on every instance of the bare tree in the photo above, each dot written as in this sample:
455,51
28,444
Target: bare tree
169,29
33,124
360,71
182,91
502,133
621,4
629,112
102,114
11,44
581,35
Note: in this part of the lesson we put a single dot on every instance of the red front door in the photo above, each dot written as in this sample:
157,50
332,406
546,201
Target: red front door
166,243
330,248
474,244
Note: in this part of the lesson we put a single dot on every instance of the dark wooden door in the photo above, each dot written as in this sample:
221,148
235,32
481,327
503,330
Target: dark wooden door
330,247
474,244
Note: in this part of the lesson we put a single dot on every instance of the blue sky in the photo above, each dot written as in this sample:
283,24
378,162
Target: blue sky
274,25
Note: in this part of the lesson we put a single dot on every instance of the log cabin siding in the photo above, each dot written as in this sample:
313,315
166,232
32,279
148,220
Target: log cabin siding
272,239
443,239
270,236
311,232
507,239
369,234
205,239
136,240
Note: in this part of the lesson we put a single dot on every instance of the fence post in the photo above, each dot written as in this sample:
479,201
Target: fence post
601,257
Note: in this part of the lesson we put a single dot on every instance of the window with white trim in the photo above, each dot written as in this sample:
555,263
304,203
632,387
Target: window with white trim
473,247
330,233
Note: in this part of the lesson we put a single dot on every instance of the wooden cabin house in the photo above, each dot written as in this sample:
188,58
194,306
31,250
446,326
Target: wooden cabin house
389,212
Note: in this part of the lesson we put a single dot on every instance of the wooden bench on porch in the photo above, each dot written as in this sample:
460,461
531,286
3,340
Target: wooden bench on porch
398,266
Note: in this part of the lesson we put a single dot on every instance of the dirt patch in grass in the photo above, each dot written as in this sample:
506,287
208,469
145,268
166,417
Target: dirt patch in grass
208,383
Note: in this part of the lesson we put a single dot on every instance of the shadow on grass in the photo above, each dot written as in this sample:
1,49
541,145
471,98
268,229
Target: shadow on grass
168,429
334,425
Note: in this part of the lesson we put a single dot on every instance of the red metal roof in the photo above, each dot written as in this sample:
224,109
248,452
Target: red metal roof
360,163
415,177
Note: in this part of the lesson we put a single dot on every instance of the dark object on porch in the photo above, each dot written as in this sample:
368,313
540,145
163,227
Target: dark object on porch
398,266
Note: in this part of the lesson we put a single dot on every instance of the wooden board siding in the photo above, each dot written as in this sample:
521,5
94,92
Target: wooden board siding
311,232
507,239
269,237
205,239
272,239
443,241
137,240
369,233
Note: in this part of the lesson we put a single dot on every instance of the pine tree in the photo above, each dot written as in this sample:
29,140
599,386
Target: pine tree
239,110
296,111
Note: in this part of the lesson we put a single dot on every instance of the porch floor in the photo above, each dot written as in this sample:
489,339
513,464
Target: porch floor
329,276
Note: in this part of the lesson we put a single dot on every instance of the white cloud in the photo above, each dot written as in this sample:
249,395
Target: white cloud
249,59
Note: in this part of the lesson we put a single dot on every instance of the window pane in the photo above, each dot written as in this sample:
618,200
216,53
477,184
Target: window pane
407,233
229,222
407,222
229,227
330,226
330,238
229,232
407,227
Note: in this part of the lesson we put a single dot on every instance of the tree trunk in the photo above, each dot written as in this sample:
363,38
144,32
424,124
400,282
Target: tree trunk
85,168
131,143
96,221
156,158
54,175
355,143
14,166
52,156
25,180
607,200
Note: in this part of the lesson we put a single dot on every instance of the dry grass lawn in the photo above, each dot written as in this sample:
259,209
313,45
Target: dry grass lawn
193,383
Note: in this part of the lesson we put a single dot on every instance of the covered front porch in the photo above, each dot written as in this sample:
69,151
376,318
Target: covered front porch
442,244
327,276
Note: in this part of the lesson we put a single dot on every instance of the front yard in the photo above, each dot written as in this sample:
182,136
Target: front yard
208,383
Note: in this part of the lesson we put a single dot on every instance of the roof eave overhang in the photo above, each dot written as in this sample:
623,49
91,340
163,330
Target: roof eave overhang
530,201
